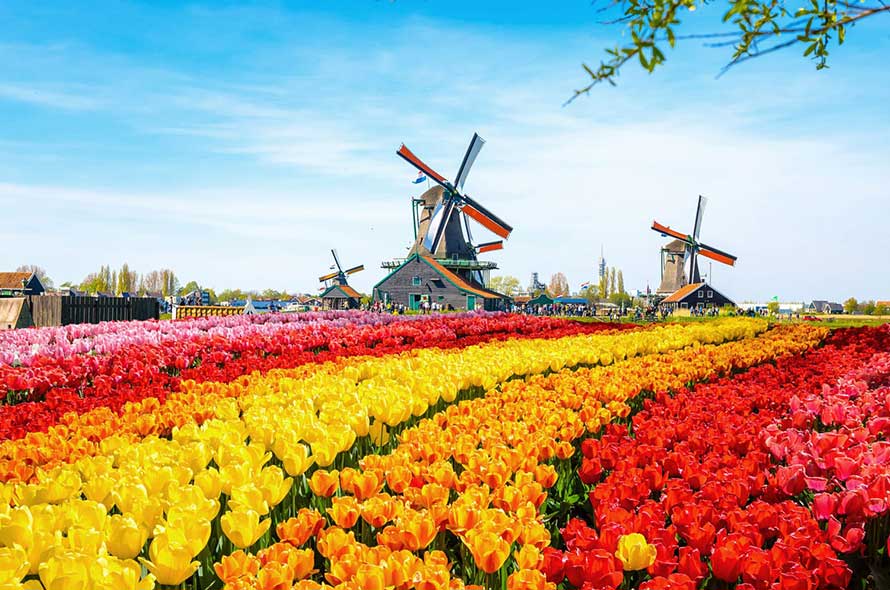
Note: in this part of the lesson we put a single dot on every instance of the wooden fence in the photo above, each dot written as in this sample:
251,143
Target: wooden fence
55,310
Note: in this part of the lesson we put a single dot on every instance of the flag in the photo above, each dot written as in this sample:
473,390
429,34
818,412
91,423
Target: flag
421,177
775,297
585,285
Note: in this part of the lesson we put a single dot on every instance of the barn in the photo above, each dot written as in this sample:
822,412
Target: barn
422,279
696,296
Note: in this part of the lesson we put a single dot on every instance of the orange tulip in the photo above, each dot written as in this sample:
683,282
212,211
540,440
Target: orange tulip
345,511
462,517
366,484
418,529
334,542
274,576
379,510
324,483
489,550
398,479
528,579
528,557
545,475
298,529
370,577
236,565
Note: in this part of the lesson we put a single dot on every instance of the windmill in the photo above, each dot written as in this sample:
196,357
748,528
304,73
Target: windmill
338,277
447,212
681,266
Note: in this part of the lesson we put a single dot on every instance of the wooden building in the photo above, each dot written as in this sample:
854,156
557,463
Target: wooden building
17,284
696,296
422,279
340,297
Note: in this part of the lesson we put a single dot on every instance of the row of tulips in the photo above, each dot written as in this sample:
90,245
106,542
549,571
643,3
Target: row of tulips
463,497
343,394
177,504
695,484
27,347
132,373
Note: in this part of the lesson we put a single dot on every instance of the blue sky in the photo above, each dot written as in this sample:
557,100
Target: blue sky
237,143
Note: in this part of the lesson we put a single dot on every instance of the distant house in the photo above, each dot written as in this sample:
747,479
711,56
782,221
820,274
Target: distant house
341,297
696,296
820,306
16,284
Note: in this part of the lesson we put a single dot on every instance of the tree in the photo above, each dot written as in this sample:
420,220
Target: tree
620,281
772,307
603,286
191,286
612,281
752,28
559,285
39,271
126,279
850,305
867,307
169,282
506,284
881,309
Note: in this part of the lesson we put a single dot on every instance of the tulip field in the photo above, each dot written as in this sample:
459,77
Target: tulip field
357,451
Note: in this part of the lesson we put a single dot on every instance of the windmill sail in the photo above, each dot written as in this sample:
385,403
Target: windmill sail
472,151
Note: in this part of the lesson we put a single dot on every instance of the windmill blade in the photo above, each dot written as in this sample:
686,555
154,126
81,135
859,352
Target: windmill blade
472,151
466,219
490,246
355,269
665,230
718,255
689,264
337,260
438,222
329,277
409,157
486,218
699,214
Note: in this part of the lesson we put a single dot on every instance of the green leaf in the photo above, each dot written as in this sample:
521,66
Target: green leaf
644,62
841,34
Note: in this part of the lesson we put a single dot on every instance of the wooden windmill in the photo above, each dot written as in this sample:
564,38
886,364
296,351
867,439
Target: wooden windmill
442,270
447,211
338,277
680,257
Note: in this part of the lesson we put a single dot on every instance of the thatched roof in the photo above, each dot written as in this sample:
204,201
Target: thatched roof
13,280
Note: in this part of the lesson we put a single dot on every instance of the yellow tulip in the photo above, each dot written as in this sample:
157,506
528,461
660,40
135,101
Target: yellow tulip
249,497
171,564
124,537
110,573
274,485
13,564
634,552
186,527
210,482
244,528
16,528
65,570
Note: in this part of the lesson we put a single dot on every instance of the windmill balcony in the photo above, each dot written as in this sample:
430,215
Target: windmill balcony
447,263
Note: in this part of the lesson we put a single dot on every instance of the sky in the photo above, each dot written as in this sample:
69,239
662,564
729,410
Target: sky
238,143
